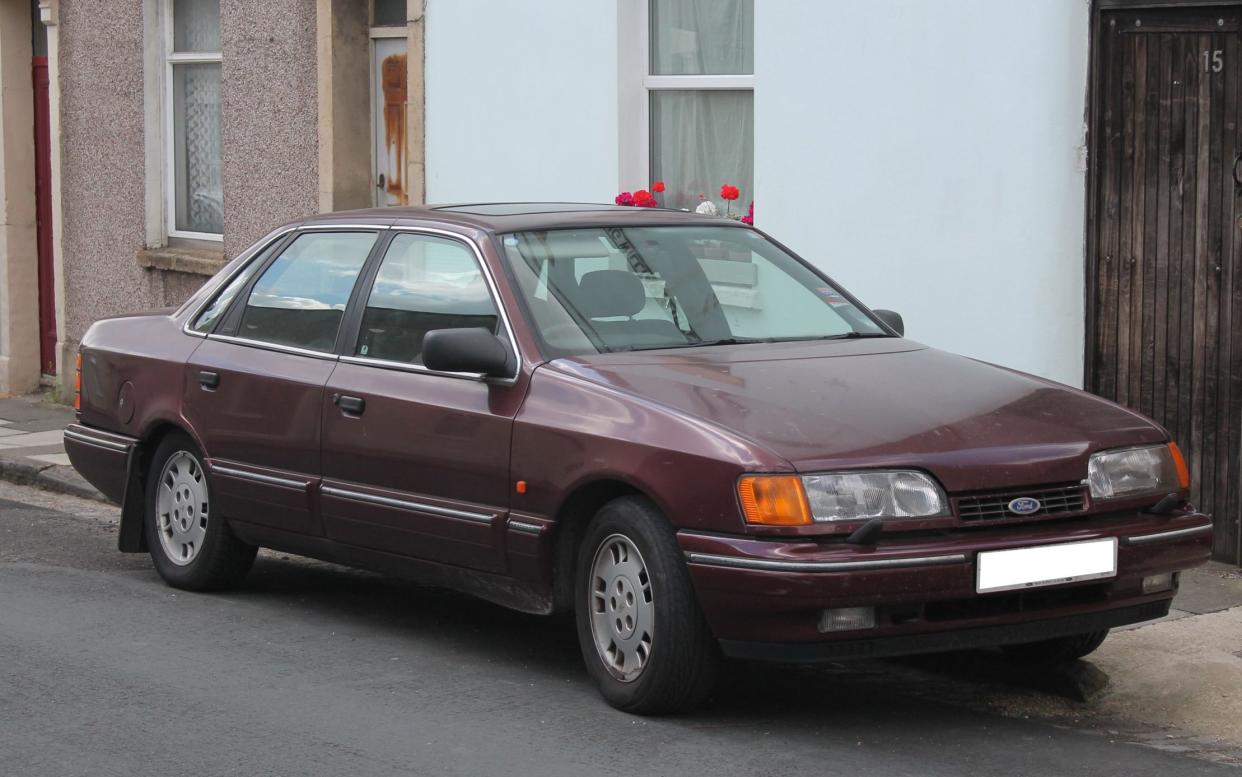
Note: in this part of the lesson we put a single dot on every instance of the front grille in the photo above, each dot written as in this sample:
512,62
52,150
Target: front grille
1053,501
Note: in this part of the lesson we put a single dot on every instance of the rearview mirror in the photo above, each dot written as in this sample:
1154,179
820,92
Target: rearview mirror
892,320
465,350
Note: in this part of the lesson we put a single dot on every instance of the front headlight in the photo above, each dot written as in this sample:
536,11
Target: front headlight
1132,472
860,496
833,497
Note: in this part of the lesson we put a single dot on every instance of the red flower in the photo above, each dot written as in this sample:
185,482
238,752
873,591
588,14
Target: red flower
643,199
728,192
657,187
625,198
749,218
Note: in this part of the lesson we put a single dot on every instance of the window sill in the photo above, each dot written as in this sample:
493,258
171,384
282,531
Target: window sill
192,261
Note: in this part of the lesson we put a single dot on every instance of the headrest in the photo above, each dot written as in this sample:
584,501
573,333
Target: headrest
608,293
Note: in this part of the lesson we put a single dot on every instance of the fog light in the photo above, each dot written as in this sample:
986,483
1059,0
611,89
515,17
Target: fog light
1157,583
847,619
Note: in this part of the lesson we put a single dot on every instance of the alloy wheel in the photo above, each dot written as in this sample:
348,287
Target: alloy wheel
182,508
621,607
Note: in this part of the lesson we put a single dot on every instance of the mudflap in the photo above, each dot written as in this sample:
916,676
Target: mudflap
130,536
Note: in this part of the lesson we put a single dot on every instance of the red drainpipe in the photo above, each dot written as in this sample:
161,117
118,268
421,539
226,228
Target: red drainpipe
43,212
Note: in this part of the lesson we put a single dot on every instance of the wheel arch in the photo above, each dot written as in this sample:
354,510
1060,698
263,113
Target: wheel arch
575,512
131,538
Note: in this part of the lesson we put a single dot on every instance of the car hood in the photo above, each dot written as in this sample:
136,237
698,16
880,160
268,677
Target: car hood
878,403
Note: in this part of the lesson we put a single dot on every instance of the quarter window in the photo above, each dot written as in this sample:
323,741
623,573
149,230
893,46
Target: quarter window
301,298
424,283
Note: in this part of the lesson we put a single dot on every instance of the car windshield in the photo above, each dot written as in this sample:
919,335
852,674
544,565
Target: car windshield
641,288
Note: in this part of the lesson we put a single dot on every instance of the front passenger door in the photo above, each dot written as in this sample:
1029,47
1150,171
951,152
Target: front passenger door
415,462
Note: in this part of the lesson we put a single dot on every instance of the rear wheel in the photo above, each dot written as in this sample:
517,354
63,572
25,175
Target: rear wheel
192,547
642,634
1062,650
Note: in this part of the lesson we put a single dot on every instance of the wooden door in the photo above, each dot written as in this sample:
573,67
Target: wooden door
1164,296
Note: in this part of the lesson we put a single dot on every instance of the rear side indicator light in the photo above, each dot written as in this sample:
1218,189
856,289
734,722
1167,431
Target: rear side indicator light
773,500
77,383
1179,461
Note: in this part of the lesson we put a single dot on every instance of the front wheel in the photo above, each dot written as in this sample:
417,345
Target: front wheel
192,547
1062,650
642,634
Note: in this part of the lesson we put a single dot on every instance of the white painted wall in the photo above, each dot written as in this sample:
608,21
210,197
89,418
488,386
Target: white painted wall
521,100
929,157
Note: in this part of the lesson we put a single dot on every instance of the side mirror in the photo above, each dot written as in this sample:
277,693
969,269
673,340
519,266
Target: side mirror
892,320
465,350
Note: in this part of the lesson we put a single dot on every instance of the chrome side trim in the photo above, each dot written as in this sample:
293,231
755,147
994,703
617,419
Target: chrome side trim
405,504
1161,536
524,527
274,347
405,367
98,442
269,479
769,565
316,226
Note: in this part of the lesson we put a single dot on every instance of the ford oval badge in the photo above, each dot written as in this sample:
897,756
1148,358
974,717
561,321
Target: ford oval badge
1024,505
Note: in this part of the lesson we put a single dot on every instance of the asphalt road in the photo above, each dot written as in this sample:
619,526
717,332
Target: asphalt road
313,669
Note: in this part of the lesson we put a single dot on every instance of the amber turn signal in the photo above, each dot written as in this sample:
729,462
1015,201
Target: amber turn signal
1183,472
774,500
77,383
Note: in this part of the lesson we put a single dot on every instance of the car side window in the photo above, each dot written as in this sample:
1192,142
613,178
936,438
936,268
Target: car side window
301,298
211,314
424,283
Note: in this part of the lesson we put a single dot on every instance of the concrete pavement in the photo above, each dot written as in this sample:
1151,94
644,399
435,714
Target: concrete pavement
32,447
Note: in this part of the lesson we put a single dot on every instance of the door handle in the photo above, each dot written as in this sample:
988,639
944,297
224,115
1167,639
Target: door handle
209,380
381,183
349,405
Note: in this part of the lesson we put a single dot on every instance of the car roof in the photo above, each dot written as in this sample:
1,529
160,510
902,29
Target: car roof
522,216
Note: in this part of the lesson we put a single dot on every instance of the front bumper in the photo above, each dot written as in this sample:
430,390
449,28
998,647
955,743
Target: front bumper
763,598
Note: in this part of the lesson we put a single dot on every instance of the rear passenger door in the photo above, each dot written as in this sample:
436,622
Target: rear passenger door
253,389
417,462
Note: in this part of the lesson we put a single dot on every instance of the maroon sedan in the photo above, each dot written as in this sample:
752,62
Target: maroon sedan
664,422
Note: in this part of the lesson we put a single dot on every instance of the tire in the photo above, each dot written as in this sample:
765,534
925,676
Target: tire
1062,650
633,590
192,547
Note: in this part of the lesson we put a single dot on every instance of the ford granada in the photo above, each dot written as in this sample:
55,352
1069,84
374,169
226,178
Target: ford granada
665,423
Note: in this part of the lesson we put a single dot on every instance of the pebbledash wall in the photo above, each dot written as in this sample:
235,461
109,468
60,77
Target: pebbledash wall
269,169
929,156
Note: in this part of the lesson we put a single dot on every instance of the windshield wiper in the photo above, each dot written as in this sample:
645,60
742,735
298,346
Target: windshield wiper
730,341
855,335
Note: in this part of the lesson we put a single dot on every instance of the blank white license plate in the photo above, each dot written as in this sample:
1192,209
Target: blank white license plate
1011,570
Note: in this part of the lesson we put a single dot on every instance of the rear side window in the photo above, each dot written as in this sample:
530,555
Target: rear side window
207,320
424,283
301,298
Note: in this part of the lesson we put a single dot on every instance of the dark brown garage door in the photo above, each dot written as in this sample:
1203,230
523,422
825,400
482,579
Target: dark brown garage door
1164,281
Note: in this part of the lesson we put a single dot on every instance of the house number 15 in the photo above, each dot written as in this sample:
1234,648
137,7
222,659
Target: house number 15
1213,61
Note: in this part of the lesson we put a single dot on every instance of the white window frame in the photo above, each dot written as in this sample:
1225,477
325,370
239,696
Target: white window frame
171,58
634,91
